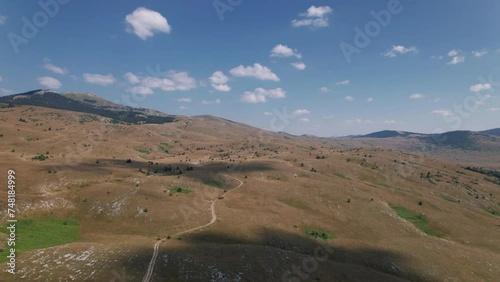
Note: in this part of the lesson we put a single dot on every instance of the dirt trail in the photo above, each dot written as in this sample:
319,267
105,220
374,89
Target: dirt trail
149,272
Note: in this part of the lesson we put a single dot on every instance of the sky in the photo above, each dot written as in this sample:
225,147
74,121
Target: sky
325,68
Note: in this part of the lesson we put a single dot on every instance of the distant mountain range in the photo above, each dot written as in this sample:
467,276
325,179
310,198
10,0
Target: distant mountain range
87,103
93,104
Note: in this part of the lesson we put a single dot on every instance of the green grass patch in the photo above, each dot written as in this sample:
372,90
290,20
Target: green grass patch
42,232
3,105
143,150
318,233
164,147
179,190
418,220
448,198
296,204
215,184
40,157
492,210
389,187
341,175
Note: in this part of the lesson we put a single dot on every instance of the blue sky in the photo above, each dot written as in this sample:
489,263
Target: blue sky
327,68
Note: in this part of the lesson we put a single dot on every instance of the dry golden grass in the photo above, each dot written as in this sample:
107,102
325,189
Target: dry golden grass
124,207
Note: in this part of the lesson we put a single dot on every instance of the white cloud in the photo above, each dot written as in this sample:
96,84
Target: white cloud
493,109
140,90
99,79
324,89
257,71
171,81
437,100
454,52
4,91
49,82
184,100
480,53
349,98
260,95
389,121
284,51
132,78
344,82
145,23
443,113
216,101
268,113
315,17
456,60
400,49
55,69
299,65
1,79
369,100
182,108
357,121
437,57
480,87
3,19
304,120
219,81
301,112
417,96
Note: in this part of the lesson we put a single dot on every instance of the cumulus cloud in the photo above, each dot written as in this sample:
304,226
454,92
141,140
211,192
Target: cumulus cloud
345,82
456,60
480,87
184,100
145,23
219,81
369,100
3,19
480,53
132,78
216,101
399,50
260,95
170,81
349,98
140,90
443,113
358,121
284,51
99,79
257,71
324,89
315,17
49,82
457,57
301,112
299,65
55,69
417,96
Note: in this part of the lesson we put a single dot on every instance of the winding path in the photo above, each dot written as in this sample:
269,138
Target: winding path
151,266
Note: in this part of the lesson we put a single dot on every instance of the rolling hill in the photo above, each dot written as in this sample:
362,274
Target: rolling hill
207,199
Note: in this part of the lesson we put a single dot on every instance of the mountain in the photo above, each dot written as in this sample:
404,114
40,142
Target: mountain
495,131
87,103
386,134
